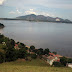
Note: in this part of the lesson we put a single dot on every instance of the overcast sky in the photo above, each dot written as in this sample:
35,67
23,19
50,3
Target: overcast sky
53,8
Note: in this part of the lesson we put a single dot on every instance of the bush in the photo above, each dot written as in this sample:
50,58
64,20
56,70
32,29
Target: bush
22,53
33,56
46,51
40,51
2,56
69,60
32,48
55,53
11,54
57,64
63,61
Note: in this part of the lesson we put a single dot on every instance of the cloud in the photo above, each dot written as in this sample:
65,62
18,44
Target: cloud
16,12
30,11
44,13
12,12
64,4
37,12
2,1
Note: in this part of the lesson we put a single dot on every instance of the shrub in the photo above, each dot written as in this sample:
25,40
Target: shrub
11,54
69,60
2,56
33,56
32,48
57,64
63,61
22,53
46,51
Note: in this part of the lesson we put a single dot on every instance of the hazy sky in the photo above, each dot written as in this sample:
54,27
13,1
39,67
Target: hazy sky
53,8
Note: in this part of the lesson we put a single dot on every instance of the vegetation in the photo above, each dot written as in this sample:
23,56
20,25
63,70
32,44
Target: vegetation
1,25
57,64
65,60
8,52
36,65
32,48
24,59
46,51
22,53
1,56
55,53
33,56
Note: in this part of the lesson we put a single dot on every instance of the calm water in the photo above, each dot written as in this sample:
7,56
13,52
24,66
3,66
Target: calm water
55,36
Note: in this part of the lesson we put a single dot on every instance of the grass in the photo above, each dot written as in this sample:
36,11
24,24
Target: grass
36,65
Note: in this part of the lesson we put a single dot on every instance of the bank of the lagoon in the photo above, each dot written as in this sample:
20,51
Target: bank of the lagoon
55,36
1,26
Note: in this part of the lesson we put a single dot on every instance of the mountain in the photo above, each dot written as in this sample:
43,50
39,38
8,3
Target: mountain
33,17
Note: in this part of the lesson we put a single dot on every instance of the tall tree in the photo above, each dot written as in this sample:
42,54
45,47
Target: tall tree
46,51
32,48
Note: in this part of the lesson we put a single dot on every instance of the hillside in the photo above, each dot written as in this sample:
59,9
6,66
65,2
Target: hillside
33,17
36,65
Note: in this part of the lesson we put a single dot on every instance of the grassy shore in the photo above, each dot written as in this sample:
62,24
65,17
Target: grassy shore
36,65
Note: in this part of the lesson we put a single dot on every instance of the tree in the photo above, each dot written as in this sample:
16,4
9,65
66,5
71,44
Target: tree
63,61
34,56
11,54
22,53
1,38
55,53
26,48
2,56
57,64
4,47
32,48
40,51
69,60
46,51
12,42
21,45
35,51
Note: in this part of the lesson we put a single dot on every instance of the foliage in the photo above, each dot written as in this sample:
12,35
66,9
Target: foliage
32,48
40,51
21,45
1,25
2,56
69,60
63,61
55,53
1,38
35,65
22,53
57,64
34,56
11,54
46,51
12,42
26,48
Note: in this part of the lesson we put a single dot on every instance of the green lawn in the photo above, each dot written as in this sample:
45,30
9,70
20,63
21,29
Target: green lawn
31,66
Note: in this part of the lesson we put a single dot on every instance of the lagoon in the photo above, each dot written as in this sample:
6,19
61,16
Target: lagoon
55,36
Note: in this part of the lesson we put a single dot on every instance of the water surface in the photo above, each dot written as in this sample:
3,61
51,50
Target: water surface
55,36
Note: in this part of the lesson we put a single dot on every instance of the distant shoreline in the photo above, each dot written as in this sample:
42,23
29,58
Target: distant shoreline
35,20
